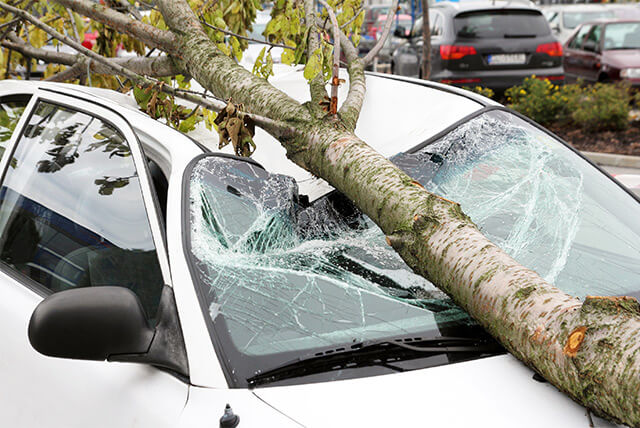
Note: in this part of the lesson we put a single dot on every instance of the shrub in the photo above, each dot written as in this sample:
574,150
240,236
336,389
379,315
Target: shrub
541,100
603,107
485,92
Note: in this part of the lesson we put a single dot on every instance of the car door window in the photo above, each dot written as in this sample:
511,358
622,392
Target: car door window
576,42
592,43
71,208
11,109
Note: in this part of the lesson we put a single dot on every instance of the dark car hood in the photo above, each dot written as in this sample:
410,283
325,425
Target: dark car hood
622,58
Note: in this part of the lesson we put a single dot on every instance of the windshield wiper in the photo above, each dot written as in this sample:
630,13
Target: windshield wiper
375,353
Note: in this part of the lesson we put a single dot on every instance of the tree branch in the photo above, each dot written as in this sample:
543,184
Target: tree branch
73,25
316,86
353,18
159,66
229,33
385,33
201,59
335,78
148,34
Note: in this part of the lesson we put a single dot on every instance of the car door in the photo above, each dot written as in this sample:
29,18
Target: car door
76,210
591,54
573,57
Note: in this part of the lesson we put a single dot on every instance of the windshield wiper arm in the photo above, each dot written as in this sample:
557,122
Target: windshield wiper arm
371,353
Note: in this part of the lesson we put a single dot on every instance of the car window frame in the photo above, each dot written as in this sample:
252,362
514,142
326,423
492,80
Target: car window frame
122,125
575,35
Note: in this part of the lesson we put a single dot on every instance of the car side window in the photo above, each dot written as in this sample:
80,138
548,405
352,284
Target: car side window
71,208
436,26
576,42
592,42
11,109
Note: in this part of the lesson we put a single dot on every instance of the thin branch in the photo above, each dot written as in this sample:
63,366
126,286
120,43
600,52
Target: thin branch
70,73
350,51
229,33
206,5
158,66
385,33
146,33
73,24
216,105
335,79
353,18
316,86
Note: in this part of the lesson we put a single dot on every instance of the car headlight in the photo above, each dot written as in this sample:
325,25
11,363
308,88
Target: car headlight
630,73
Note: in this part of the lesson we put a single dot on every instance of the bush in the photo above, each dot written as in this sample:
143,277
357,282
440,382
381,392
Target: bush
541,100
603,107
485,92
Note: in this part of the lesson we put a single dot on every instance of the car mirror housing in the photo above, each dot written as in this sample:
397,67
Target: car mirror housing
400,32
590,46
108,323
93,323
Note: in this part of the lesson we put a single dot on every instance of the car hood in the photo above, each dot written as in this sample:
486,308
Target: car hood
623,58
498,392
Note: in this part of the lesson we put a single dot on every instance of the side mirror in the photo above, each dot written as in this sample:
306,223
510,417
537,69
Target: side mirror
555,28
400,32
590,45
93,323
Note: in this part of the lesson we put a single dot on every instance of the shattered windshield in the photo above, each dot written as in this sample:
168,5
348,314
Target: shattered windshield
280,279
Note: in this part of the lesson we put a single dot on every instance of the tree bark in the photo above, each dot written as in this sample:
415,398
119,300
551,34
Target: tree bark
426,41
587,349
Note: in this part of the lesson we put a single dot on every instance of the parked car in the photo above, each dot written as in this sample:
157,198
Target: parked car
493,44
565,18
207,280
401,23
604,51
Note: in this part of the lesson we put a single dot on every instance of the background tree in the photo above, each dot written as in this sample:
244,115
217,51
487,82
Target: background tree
426,41
588,349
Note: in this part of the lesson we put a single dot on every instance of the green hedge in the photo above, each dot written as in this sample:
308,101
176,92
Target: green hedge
599,107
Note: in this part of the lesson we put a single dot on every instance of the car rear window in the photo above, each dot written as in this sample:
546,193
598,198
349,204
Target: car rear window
500,24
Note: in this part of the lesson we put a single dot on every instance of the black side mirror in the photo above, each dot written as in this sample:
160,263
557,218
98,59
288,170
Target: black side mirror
93,323
400,32
590,46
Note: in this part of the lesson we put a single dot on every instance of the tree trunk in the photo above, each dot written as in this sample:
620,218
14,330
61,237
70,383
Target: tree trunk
426,42
588,349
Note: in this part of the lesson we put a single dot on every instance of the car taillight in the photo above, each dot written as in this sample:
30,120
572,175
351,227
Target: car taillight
551,49
456,51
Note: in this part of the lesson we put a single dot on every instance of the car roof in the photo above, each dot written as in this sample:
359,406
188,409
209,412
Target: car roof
607,21
470,6
579,7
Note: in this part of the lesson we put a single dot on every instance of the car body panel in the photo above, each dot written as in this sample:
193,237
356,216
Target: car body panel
493,391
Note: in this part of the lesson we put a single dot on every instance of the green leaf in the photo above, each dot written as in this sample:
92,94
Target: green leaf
314,65
219,22
142,96
287,57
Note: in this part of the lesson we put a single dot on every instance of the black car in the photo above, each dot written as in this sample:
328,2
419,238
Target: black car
492,44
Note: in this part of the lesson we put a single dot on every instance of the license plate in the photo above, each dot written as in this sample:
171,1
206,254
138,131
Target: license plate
504,59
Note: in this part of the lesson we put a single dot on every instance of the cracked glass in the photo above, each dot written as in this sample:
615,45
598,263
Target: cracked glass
281,279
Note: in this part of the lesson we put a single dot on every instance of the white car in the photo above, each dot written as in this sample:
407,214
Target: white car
146,281
564,19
